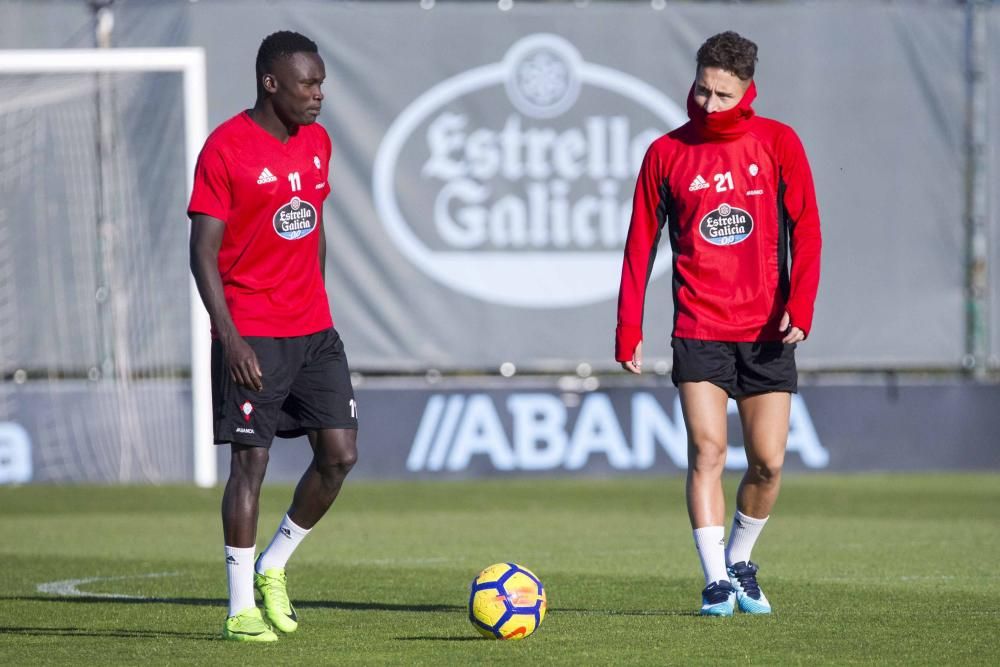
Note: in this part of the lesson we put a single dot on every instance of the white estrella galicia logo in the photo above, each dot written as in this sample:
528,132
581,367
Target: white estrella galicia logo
543,79
698,183
266,177
754,169
522,204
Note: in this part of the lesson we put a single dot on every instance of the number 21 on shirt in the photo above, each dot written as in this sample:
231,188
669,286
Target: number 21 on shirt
723,182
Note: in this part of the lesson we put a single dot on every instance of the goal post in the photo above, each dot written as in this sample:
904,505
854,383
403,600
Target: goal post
190,63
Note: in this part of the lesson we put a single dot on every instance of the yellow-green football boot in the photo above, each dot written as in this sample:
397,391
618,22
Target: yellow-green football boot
277,607
248,626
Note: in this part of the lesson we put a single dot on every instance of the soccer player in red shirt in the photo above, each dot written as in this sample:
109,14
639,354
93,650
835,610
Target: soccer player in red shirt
258,254
736,195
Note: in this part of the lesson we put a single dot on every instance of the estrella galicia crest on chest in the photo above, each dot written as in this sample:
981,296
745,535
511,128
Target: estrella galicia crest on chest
295,219
726,225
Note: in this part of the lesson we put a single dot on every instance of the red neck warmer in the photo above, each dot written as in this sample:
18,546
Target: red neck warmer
723,125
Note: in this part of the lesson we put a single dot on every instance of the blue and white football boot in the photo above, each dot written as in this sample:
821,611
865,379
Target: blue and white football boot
749,597
718,599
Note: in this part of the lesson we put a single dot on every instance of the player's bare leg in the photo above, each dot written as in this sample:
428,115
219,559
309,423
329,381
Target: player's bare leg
704,407
765,434
240,507
334,454
241,499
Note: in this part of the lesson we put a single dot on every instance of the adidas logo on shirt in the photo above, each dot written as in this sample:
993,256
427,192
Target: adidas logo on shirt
267,177
698,183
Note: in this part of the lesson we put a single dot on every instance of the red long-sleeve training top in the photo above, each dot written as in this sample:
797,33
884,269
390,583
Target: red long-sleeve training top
736,195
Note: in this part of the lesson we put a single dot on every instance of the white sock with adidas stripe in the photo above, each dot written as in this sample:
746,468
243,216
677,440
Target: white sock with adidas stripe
239,571
286,539
712,552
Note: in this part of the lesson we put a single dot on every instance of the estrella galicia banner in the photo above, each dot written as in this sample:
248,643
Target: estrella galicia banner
526,204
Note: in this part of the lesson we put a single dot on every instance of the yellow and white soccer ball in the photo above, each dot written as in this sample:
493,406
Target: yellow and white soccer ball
506,601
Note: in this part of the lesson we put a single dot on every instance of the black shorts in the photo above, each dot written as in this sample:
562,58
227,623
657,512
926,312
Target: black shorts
741,369
307,387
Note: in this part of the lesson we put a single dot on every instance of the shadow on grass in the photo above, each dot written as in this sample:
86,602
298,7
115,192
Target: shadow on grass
442,638
335,604
220,602
625,612
90,632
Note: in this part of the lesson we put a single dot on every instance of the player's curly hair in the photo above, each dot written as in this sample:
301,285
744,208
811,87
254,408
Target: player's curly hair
731,52
280,45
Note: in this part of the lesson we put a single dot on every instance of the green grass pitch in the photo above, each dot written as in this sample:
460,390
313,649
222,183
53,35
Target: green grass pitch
886,569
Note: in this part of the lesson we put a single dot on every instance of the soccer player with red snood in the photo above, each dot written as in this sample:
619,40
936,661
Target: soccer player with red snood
258,255
735,193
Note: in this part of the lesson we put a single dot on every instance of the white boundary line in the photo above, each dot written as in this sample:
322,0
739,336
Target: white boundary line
69,587
190,62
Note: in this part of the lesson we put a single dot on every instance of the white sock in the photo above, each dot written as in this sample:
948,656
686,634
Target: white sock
711,551
239,570
742,537
283,544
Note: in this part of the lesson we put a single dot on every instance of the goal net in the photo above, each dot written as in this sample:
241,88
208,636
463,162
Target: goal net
99,334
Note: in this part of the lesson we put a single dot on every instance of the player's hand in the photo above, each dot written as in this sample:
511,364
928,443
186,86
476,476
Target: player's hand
792,334
635,365
242,363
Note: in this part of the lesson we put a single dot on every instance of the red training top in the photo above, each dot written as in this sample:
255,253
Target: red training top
270,195
737,191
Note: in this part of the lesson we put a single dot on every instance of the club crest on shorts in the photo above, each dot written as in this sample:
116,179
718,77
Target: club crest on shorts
247,410
295,219
726,225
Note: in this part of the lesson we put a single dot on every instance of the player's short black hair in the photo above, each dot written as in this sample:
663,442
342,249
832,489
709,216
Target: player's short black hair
731,52
281,44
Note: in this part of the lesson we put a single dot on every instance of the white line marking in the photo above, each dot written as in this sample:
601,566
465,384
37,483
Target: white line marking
68,587
400,561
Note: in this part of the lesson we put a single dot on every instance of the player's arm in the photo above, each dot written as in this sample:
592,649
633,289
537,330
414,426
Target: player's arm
804,233
206,239
648,218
